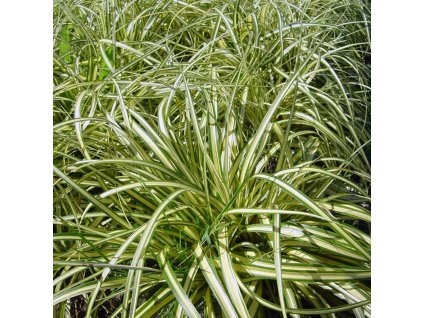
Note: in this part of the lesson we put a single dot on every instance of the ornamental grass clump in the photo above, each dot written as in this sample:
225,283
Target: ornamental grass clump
211,158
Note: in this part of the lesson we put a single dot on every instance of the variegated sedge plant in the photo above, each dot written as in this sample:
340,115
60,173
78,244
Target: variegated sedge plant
211,158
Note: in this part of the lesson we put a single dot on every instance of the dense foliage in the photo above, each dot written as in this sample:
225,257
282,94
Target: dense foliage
211,158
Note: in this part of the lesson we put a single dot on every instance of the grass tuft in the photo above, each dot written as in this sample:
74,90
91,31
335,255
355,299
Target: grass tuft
211,158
